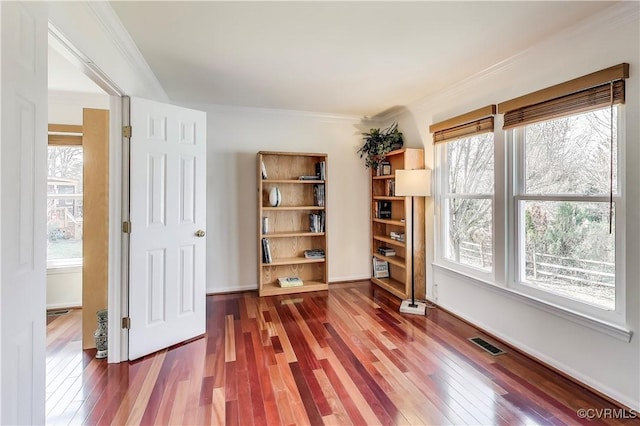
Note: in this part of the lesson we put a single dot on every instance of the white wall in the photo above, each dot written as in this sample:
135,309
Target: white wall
593,357
235,135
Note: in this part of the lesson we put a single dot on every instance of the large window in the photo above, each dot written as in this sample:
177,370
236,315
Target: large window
538,208
64,206
467,201
568,171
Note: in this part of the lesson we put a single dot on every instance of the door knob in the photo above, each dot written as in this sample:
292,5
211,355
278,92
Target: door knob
200,233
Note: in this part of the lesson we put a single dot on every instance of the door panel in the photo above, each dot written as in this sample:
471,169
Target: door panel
23,89
167,207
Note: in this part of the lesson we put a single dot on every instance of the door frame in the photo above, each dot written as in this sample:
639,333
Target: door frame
117,299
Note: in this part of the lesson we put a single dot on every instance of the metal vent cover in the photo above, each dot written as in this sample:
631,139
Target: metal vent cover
492,349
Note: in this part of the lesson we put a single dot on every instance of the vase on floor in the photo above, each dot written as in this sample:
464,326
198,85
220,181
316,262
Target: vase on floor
100,334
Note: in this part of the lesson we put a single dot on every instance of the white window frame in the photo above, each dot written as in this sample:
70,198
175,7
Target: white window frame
441,215
516,193
503,278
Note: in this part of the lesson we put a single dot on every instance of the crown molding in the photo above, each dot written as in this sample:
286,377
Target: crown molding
118,35
617,15
325,116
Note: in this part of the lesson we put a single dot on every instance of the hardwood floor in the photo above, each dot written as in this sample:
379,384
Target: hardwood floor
340,357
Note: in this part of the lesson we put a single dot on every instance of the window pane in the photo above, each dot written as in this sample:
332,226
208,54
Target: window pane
569,250
64,203
470,163
470,232
571,155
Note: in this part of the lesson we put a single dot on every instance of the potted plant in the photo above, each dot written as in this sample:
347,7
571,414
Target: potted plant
378,143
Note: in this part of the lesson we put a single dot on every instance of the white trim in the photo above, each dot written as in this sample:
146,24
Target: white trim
53,306
327,116
116,337
65,269
234,289
349,278
120,38
621,333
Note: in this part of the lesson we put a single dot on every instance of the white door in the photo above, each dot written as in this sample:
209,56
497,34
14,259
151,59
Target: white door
168,214
23,171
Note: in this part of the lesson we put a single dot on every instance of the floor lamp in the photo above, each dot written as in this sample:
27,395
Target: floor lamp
413,183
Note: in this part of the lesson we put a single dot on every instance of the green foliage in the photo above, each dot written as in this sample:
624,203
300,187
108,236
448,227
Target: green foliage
378,143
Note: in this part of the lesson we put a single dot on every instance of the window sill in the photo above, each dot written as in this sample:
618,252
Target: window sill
610,329
64,267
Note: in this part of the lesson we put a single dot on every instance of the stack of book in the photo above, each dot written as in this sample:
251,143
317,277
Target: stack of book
314,254
290,282
391,188
398,236
266,251
316,222
386,251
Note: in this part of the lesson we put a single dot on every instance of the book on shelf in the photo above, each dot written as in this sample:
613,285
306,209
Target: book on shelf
290,282
264,170
321,170
386,251
308,177
314,253
316,221
390,189
384,209
266,251
380,268
318,195
265,225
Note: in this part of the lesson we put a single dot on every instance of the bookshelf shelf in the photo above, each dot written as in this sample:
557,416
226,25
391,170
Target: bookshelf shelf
382,188
290,231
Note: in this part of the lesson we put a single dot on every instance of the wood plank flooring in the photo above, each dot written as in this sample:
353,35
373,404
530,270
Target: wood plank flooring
338,357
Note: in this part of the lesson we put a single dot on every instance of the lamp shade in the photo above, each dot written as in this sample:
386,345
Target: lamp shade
413,183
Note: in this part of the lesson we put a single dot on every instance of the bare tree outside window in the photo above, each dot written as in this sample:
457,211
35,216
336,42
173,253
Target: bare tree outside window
568,249
64,205
468,208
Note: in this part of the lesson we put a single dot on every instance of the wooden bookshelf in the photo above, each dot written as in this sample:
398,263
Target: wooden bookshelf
289,232
399,281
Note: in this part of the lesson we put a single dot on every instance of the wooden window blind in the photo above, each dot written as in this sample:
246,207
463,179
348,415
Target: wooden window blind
593,91
465,125
65,134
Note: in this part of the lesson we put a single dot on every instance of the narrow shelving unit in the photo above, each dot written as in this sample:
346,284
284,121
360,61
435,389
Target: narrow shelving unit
398,221
289,231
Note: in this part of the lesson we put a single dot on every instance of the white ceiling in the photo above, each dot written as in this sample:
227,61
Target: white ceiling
356,58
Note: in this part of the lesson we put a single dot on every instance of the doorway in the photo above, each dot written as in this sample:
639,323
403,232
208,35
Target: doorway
77,223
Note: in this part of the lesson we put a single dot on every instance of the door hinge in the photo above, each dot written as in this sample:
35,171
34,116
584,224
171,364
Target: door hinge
126,227
126,131
126,323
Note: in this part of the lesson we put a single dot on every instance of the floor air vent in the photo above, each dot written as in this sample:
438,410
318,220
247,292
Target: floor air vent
493,350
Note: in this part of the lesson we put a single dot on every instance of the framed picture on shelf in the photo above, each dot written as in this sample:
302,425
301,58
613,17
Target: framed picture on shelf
386,168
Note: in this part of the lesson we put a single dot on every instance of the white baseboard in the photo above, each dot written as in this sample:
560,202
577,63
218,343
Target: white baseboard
70,305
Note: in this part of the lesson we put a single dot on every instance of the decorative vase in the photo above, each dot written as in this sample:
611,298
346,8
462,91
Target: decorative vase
275,196
100,334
